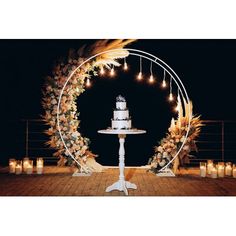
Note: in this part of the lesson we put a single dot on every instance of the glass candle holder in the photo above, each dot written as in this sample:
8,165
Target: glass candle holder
209,166
228,169
18,167
25,163
29,168
39,166
214,172
221,169
234,170
12,166
203,169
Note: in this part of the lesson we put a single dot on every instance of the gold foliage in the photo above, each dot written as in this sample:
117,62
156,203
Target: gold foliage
68,114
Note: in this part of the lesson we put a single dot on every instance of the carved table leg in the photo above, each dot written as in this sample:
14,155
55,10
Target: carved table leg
121,184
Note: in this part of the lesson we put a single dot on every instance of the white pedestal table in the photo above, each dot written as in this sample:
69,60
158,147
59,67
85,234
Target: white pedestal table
121,184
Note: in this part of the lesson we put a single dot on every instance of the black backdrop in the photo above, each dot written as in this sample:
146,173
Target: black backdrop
205,66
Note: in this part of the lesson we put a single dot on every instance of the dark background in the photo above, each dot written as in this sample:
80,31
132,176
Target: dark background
206,68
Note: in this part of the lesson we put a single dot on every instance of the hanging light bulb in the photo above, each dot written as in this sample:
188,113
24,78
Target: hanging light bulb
164,80
102,71
125,64
171,98
88,83
151,78
178,102
112,72
163,83
140,75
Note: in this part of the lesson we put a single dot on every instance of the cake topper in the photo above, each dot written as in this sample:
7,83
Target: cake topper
120,99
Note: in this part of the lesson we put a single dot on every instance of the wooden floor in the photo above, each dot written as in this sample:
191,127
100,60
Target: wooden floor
59,182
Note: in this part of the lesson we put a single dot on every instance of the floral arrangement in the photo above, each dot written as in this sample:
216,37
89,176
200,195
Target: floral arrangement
68,114
170,145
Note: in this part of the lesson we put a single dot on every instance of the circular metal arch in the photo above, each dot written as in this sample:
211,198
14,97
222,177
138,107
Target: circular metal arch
148,56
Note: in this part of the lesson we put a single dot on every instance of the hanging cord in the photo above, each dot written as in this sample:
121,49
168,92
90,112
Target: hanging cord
170,85
140,65
151,68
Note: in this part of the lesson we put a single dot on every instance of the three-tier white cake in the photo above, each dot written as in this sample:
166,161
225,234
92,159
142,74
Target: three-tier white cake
121,118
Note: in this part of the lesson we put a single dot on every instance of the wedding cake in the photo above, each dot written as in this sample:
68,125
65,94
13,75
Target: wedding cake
121,118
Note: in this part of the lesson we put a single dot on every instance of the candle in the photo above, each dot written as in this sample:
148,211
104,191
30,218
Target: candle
202,169
18,169
221,169
228,169
25,164
209,166
213,173
12,166
234,171
39,166
29,168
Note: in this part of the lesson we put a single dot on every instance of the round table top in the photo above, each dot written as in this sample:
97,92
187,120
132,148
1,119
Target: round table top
122,131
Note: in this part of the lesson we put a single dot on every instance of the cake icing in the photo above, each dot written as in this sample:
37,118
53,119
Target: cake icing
121,118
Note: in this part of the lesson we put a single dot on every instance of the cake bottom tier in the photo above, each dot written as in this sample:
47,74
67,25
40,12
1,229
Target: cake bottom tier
121,124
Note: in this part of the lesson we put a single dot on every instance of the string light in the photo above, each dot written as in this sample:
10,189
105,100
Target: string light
171,98
164,80
88,83
102,71
125,64
112,72
140,75
151,78
178,102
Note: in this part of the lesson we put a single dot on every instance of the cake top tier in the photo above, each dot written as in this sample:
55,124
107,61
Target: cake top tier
120,99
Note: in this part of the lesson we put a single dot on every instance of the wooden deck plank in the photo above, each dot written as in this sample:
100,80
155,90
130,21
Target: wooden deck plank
58,181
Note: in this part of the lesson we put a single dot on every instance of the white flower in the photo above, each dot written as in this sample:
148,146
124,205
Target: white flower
165,154
162,163
159,155
154,164
75,135
54,101
160,149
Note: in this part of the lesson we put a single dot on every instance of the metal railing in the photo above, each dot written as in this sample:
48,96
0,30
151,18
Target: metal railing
217,140
35,140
